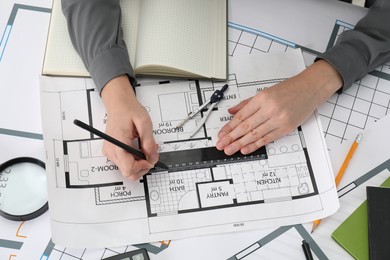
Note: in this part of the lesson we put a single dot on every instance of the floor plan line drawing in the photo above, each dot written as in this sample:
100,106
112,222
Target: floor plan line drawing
305,235
200,179
67,252
10,23
48,250
262,34
263,241
30,135
158,193
343,191
343,101
80,258
3,44
14,17
255,246
353,185
360,106
172,151
6,243
53,251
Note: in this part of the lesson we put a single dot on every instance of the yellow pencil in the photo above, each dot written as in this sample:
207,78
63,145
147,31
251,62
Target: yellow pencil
342,171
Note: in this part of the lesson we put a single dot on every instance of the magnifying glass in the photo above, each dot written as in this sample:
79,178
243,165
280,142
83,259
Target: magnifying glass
23,190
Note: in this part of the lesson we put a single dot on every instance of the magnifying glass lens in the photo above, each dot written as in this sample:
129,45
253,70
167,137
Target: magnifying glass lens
23,191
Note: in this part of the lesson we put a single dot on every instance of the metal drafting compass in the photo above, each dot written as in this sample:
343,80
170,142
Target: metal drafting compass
213,100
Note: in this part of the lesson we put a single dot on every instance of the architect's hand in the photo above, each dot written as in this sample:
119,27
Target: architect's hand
128,119
276,111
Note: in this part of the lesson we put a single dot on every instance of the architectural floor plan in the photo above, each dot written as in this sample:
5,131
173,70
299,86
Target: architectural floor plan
342,117
204,190
264,176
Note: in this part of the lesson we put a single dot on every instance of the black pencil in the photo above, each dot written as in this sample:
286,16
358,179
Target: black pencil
116,142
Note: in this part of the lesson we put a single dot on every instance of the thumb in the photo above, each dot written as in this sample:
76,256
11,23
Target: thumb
148,144
150,149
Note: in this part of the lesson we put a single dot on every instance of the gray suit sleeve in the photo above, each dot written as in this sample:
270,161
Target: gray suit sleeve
361,50
95,30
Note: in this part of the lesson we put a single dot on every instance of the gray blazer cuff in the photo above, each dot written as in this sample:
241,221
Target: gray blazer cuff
351,65
109,64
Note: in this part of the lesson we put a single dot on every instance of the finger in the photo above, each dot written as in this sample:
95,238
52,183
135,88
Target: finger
139,174
108,151
128,170
250,148
150,149
128,165
268,138
247,126
246,109
138,169
236,108
252,136
230,125
144,128
125,162
227,134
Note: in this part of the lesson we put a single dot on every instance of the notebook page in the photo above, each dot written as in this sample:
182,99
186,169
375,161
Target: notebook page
62,59
220,41
60,56
130,11
177,33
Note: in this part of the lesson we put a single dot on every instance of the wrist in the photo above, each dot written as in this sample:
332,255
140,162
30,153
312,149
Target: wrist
323,80
118,93
331,77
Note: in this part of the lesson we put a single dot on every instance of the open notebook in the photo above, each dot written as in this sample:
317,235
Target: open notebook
179,38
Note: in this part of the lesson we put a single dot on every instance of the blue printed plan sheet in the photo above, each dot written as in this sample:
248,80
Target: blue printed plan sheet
204,192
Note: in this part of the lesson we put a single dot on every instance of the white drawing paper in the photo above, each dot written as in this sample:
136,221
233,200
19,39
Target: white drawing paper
342,117
91,204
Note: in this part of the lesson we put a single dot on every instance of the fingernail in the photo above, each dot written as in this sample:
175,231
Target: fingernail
219,145
229,150
221,134
244,151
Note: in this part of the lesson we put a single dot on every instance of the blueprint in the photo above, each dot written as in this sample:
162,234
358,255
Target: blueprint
19,70
254,27
288,181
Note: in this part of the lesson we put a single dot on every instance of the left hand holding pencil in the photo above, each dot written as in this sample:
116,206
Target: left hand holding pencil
127,120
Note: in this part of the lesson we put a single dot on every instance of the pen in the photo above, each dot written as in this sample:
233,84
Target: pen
116,142
306,250
342,170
